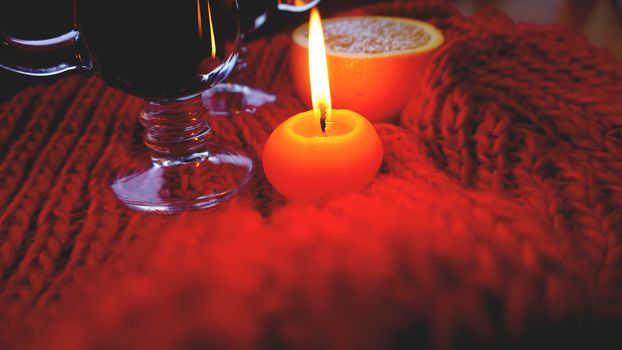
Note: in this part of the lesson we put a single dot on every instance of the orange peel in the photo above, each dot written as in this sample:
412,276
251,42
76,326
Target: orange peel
373,62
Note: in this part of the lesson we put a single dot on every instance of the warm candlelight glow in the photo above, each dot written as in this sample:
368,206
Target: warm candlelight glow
211,29
211,25
318,71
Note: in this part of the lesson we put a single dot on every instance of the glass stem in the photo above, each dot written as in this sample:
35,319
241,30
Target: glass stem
176,131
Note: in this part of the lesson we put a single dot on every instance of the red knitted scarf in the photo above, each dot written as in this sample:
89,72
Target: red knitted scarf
496,218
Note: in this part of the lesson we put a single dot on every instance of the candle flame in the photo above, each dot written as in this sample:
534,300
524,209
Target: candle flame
318,72
211,25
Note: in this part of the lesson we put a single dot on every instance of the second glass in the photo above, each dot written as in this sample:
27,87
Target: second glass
237,94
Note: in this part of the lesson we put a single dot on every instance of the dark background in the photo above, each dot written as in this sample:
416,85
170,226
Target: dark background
599,20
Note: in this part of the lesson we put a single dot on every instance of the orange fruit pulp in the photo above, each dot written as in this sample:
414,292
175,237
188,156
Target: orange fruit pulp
373,62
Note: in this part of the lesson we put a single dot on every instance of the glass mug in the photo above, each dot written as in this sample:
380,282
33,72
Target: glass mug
167,52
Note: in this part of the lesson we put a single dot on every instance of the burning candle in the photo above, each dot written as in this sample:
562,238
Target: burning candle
321,153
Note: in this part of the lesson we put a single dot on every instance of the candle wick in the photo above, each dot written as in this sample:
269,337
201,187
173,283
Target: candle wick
323,117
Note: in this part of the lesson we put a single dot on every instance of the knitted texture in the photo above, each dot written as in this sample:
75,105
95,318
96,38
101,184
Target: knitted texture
496,219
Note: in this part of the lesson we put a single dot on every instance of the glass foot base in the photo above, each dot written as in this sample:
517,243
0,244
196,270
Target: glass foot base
228,99
168,186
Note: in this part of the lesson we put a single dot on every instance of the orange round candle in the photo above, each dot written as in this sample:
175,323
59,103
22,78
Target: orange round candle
304,164
321,153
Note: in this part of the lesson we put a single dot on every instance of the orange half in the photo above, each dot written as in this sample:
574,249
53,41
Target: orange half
373,62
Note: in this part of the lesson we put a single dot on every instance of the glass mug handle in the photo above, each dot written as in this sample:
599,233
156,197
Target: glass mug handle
45,56
296,5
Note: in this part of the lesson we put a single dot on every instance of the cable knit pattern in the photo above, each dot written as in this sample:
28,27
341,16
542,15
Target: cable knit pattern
495,221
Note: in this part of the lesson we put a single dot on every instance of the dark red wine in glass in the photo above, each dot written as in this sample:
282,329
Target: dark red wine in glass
237,95
168,53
